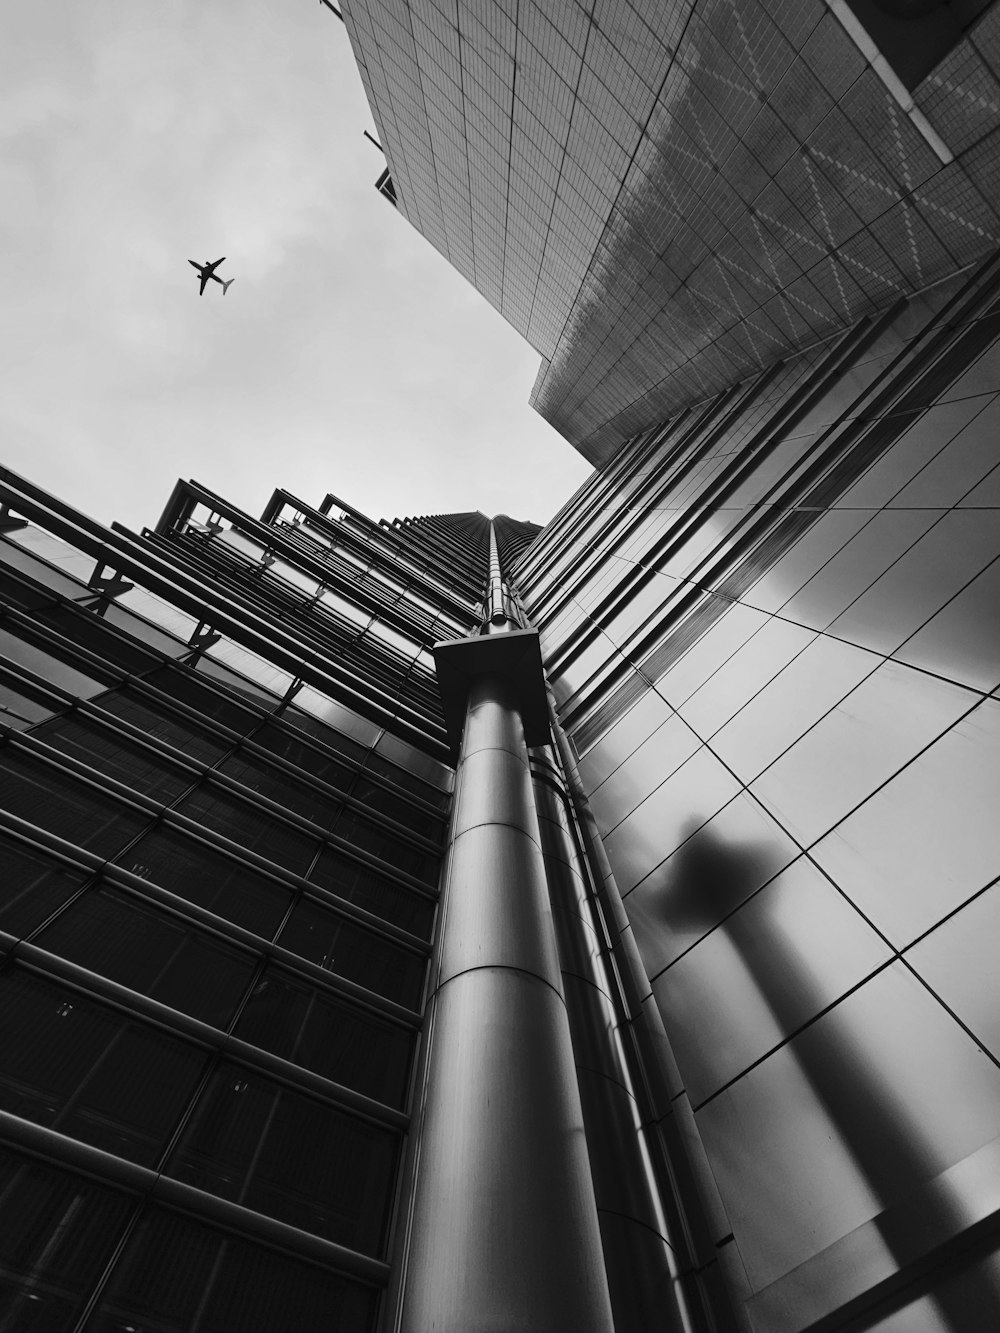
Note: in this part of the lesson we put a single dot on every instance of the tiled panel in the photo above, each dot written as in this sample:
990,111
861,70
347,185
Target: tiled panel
675,810
958,961
952,553
800,930
860,744
649,764
962,641
823,799
876,1097
717,866
813,683
927,840
628,733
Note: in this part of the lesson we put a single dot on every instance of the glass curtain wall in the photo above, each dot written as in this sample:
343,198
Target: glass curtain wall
223,794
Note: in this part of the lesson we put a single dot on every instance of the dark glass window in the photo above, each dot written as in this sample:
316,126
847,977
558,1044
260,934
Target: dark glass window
88,630
15,648
32,886
285,1154
283,741
299,720
19,592
174,1275
81,814
374,892
327,1035
304,799
60,1233
386,802
116,756
409,781
252,828
88,1071
18,558
389,847
184,686
152,953
320,936
209,878
182,734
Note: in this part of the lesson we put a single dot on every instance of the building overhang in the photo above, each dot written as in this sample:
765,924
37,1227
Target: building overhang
517,656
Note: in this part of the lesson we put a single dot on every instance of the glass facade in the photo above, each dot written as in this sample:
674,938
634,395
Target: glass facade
747,868
666,196
699,968
224,792
770,625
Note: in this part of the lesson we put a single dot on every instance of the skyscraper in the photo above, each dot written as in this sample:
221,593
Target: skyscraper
753,243
665,198
225,781
680,1013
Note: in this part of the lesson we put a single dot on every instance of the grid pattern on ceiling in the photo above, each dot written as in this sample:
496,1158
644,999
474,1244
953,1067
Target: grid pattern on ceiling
779,192
665,197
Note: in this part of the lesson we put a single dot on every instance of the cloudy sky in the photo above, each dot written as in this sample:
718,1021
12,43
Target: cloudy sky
347,356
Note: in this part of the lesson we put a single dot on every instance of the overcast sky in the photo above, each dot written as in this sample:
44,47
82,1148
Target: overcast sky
347,356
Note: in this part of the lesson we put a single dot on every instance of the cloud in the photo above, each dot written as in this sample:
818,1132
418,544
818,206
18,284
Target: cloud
348,356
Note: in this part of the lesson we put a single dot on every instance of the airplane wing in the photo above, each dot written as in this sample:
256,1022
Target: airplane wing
194,263
216,264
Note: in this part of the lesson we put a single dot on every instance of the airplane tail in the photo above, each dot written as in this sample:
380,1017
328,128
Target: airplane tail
226,285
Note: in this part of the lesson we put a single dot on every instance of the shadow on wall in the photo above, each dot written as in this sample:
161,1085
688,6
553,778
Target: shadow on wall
711,880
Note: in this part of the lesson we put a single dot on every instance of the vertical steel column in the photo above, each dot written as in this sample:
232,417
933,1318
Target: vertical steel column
502,1227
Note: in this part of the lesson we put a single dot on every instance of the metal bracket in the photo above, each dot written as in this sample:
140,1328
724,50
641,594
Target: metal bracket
112,585
10,522
203,637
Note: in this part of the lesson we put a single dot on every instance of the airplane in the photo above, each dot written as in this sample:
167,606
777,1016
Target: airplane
206,271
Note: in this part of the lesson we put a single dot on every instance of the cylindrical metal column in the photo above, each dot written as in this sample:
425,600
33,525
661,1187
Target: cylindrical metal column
502,1228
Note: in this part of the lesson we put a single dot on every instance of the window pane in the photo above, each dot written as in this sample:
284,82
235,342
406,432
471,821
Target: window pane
18,711
15,649
285,742
173,1272
408,781
372,891
115,755
301,797
182,685
320,936
252,828
361,832
88,1071
151,953
200,874
281,1153
158,725
81,814
32,887
36,568
92,632
328,1036
386,802
65,1231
